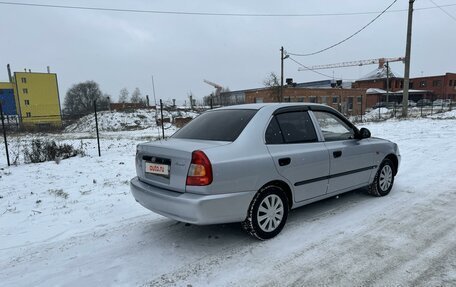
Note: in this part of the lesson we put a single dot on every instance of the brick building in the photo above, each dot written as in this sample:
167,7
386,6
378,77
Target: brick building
442,87
348,101
430,87
377,79
352,99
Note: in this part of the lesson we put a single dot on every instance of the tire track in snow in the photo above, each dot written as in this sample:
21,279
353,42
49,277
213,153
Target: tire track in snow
334,257
208,264
386,248
207,267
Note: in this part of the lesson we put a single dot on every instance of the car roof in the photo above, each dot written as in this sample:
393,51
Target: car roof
289,107
258,106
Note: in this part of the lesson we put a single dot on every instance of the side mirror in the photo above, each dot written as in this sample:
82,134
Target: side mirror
364,133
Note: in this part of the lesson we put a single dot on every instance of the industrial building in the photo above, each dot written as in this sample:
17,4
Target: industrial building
32,97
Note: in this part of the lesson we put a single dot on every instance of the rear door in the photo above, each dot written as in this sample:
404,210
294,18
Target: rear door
351,160
298,155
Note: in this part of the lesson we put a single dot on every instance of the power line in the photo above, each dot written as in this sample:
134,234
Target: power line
309,69
346,39
210,13
440,7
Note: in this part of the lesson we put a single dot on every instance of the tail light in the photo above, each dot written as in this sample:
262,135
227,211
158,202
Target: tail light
200,171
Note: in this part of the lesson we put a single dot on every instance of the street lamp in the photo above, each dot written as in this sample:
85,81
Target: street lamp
282,57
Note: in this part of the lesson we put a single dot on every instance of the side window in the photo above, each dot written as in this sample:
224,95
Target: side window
273,133
333,128
291,127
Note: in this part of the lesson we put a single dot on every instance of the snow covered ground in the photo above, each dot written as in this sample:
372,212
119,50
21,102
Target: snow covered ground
76,224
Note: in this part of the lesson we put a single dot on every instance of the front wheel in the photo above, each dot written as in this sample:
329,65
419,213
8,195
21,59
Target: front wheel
384,179
267,213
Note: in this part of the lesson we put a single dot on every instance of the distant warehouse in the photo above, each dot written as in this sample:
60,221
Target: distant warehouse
32,97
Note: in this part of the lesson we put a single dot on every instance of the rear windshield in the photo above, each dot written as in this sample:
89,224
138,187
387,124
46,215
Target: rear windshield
221,125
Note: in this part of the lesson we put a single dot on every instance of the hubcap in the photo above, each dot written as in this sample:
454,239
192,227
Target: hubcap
270,213
386,178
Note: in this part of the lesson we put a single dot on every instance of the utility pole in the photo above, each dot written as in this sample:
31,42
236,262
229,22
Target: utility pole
405,88
282,57
281,74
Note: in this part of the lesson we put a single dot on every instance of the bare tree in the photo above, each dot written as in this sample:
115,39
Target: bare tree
123,95
79,98
136,97
272,82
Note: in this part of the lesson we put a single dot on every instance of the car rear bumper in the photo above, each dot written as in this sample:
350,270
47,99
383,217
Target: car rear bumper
190,207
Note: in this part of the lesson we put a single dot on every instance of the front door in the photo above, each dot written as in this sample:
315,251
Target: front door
351,160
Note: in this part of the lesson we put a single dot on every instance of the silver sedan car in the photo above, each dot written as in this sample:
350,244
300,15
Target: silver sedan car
253,163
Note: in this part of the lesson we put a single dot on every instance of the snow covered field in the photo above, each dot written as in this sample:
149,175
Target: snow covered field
76,224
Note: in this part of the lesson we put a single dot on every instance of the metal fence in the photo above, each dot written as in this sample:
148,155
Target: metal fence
95,132
22,135
395,111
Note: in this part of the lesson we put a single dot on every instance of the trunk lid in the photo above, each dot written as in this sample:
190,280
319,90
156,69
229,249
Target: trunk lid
165,163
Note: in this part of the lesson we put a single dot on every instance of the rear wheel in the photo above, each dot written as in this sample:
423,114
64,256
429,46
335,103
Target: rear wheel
384,179
267,213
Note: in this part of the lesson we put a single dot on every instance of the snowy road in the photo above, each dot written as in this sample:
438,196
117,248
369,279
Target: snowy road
407,238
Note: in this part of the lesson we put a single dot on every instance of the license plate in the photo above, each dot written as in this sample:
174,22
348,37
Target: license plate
156,168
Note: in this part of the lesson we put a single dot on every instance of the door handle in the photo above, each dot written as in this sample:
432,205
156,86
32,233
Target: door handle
284,161
337,153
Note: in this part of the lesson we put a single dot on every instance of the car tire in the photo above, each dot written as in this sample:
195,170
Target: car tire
384,179
267,214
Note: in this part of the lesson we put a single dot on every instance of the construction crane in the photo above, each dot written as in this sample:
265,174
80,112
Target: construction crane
217,87
381,62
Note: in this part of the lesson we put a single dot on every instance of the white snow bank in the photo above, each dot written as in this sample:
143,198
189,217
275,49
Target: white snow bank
445,115
124,121
376,113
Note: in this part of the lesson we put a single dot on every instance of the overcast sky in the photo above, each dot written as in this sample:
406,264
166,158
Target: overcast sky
118,49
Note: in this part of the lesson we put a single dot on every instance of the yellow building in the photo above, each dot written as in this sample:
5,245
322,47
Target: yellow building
37,98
